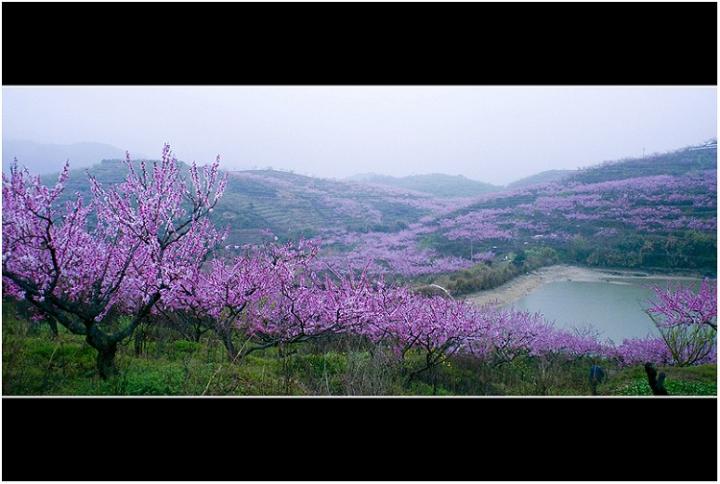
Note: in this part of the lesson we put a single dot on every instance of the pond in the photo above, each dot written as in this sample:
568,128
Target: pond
614,308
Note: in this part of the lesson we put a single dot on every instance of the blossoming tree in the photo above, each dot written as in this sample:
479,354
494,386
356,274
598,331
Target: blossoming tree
83,265
687,321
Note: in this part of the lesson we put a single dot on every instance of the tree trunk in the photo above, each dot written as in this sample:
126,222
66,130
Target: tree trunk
106,349
284,354
106,362
139,341
229,346
656,382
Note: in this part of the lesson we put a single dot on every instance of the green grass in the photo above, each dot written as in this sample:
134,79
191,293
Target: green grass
36,363
697,380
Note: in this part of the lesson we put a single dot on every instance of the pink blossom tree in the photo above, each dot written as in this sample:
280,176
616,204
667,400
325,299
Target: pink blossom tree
687,321
306,308
683,306
232,297
82,265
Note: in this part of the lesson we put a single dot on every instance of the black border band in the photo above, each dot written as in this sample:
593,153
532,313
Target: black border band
360,439
360,43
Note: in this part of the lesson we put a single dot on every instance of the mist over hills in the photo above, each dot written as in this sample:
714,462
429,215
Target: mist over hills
548,176
438,184
42,158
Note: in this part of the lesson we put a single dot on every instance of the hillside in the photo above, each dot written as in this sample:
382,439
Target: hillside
678,162
659,213
49,158
437,184
548,176
291,205
656,213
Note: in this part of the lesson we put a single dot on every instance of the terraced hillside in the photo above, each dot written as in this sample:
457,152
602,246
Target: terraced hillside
267,203
678,162
290,205
654,212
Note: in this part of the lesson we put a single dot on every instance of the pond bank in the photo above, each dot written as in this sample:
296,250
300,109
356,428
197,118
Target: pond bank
526,283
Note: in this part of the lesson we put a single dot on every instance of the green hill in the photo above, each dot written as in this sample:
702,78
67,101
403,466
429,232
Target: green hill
657,212
678,162
584,215
437,184
548,176
287,204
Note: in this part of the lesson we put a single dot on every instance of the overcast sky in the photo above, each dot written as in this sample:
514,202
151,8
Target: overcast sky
493,134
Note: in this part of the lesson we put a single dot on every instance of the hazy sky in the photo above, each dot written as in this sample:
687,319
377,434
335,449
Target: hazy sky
493,134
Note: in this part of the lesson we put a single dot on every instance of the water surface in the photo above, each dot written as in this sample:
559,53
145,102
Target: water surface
615,308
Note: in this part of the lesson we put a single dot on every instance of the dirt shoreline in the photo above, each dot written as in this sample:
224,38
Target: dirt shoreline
525,284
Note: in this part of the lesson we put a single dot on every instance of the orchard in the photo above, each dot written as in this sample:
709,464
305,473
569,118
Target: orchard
145,252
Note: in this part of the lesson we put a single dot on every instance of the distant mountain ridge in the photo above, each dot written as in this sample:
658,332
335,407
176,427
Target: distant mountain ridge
42,158
292,205
438,184
548,176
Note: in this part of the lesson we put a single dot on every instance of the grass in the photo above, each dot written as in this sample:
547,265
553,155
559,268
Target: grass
696,380
36,363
